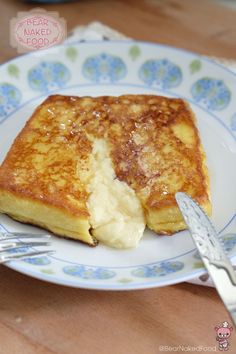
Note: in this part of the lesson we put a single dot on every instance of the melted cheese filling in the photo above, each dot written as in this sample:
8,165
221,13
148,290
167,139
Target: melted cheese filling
116,215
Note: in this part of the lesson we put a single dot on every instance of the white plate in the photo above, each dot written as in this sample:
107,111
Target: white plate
114,68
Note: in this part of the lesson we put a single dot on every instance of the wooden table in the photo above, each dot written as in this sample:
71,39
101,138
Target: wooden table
37,317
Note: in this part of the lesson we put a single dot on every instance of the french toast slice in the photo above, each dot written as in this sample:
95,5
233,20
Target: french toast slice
159,153
154,148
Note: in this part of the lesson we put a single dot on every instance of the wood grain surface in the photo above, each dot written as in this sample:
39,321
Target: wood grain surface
38,317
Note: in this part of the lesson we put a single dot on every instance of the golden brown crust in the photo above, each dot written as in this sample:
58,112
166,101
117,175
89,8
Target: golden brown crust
147,145
150,155
41,164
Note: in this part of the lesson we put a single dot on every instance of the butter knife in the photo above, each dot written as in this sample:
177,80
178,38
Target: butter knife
211,250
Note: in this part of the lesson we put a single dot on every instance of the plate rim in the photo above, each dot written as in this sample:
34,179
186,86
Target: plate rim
154,283
123,41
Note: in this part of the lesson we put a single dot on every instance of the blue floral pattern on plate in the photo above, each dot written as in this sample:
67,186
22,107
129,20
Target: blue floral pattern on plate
48,76
104,68
18,250
229,241
89,272
112,68
158,270
196,255
211,93
161,73
32,260
10,98
233,122
39,261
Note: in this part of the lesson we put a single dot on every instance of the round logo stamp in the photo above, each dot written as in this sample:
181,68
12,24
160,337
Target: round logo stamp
36,29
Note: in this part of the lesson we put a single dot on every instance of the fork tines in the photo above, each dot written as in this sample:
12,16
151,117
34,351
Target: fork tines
4,235
21,248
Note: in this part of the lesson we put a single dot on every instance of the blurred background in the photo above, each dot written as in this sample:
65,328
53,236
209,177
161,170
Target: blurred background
230,3
202,26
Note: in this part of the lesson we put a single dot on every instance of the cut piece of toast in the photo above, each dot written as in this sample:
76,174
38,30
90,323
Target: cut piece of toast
154,148
159,153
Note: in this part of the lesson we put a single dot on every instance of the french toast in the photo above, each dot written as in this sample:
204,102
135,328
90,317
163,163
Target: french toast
76,155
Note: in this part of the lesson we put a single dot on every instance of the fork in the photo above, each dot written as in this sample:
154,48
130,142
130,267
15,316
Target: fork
12,241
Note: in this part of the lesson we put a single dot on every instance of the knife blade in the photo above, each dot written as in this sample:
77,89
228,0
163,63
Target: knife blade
211,250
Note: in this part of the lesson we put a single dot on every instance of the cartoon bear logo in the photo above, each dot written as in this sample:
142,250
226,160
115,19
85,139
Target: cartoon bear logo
223,332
